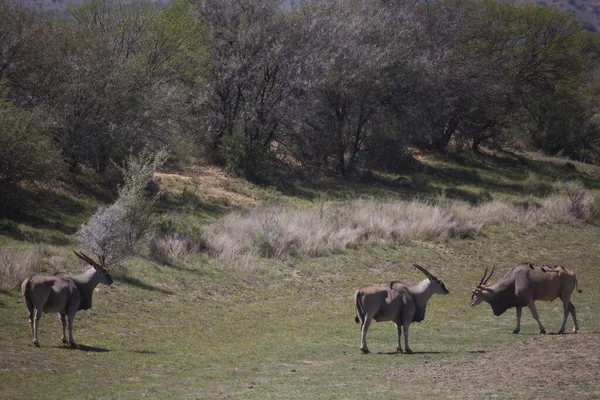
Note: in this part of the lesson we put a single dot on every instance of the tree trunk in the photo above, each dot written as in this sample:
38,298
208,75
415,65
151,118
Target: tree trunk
441,143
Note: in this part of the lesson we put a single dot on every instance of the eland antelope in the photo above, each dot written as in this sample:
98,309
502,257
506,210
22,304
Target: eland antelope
63,294
523,285
395,302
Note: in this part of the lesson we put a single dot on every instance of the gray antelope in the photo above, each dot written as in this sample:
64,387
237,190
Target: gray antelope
63,294
396,302
523,285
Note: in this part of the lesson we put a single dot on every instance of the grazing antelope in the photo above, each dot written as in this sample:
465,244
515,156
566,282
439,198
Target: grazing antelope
523,285
63,294
395,302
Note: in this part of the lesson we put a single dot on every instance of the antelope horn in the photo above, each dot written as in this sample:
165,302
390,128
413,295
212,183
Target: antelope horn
423,270
483,277
489,276
87,259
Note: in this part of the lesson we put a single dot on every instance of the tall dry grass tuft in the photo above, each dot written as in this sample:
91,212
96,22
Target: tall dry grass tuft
280,233
170,249
17,263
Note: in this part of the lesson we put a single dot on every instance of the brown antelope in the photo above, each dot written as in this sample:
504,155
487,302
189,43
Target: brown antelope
63,294
523,285
395,302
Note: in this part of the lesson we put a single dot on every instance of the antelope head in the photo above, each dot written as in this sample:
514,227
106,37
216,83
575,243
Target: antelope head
99,267
479,292
437,285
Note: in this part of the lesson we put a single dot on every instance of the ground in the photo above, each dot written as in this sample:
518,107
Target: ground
570,362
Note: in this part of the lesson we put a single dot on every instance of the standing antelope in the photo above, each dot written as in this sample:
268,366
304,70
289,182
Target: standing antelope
395,302
63,294
523,285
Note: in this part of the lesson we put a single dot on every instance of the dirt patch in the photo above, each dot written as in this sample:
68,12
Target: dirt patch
211,182
544,367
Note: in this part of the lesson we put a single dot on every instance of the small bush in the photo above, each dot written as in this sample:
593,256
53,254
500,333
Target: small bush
582,203
537,187
113,232
170,249
249,158
175,237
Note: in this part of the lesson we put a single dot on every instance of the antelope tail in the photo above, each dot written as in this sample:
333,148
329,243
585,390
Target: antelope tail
577,284
26,290
360,313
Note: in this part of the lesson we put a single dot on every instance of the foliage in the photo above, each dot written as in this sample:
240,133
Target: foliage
27,153
330,86
113,232
247,83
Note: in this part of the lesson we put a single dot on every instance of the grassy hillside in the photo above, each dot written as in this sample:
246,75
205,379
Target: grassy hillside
261,328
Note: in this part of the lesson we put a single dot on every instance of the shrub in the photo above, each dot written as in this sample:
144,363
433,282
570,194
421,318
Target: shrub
113,232
249,158
172,248
175,237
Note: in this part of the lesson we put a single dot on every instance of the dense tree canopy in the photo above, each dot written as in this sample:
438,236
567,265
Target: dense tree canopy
333,86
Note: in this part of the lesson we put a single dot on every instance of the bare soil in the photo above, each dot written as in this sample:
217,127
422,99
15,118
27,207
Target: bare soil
544,367
211,182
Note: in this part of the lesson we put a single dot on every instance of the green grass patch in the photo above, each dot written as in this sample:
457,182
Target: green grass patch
262,328
272,329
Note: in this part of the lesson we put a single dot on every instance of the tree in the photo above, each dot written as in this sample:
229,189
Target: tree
28,56
123,73
344,74
490,61
247,79
27,153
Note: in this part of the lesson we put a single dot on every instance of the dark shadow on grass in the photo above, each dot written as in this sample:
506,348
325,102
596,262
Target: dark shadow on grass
180,267
137,283
142,352
86,348
390,353
476,351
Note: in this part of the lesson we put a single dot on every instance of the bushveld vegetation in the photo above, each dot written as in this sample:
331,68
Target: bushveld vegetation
303,152
272,92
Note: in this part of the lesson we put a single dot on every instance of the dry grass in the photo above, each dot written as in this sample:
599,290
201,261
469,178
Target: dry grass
17,263
169,249
278,232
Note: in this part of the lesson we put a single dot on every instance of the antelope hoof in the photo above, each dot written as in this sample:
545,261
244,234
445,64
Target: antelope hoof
560,332
543,332
365,351
65,341
409,351
399,349
36,343
575,330
73,345
516,331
